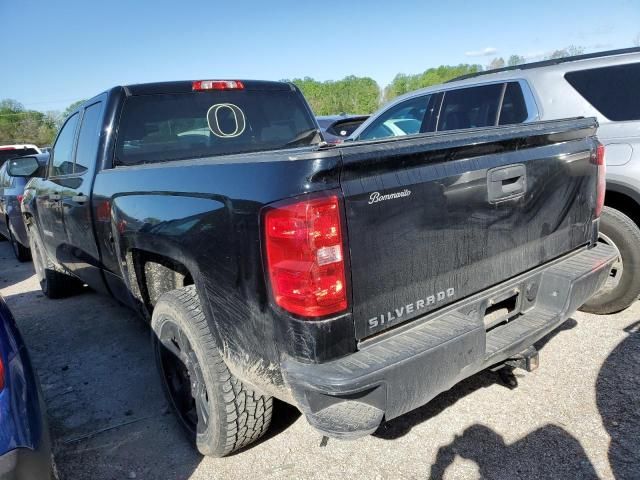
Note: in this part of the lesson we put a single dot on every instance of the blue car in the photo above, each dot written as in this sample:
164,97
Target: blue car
25,447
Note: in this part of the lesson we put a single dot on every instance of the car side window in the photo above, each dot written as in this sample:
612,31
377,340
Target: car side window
613,91
403,119
471,107
88,138
514,107
62,160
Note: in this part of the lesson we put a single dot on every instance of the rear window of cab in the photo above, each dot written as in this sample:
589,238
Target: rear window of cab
165,127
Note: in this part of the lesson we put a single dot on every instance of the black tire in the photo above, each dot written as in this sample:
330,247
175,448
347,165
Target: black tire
623,286
53,283
23,254
216,409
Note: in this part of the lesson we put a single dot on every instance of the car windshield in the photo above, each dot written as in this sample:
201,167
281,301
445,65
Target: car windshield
165,127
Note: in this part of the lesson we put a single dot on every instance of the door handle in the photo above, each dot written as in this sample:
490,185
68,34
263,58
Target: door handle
512,185
54,197
80,198
506,182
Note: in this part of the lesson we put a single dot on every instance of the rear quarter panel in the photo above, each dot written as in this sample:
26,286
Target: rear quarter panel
205,214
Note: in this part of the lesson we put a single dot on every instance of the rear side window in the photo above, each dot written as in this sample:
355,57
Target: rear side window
163,127
613,91
62,162
88,138
470,107
514,107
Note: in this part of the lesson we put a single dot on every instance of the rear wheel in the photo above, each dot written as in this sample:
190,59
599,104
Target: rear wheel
54,284
623,285
23,254
216,409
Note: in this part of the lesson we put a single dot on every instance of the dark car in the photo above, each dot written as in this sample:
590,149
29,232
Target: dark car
11,223
336,128
25,447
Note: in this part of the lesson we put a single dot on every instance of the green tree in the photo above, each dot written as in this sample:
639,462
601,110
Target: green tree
403,83
496,63
570,51
516,60
69,110
350,95
18,125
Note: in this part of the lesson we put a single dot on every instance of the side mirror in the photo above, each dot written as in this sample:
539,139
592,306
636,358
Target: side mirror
23,167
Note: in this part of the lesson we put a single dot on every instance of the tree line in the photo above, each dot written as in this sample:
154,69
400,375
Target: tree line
352,94
19,125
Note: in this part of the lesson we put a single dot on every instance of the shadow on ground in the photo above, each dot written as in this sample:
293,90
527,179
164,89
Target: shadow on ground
618,400
549,452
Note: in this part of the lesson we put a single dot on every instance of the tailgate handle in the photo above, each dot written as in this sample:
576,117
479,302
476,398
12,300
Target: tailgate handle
506,182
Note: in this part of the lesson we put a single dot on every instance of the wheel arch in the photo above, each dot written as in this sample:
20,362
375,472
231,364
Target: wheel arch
623,199
151,275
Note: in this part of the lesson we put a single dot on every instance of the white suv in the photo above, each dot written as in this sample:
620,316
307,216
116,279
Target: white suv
602,85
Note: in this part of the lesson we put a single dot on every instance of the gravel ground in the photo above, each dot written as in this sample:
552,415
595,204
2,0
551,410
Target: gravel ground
577,416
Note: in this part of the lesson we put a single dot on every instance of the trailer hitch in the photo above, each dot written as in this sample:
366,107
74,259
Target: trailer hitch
526,360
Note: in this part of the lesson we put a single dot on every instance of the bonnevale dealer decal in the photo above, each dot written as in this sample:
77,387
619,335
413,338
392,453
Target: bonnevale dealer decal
376,197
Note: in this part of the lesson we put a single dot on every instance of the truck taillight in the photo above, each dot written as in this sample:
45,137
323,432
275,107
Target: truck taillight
601,187
305,257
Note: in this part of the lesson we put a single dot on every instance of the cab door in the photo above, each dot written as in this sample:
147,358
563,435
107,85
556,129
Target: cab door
81,251
49,191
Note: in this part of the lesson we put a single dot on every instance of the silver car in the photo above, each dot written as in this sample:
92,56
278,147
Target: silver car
605,85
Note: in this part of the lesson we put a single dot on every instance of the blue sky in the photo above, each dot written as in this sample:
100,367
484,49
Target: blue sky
56,52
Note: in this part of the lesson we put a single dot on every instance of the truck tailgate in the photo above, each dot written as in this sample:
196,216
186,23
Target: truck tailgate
435,218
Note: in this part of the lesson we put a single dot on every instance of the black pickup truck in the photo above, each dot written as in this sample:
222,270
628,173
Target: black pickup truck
356,282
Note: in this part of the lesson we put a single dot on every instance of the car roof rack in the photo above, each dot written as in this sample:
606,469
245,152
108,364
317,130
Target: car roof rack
548,63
